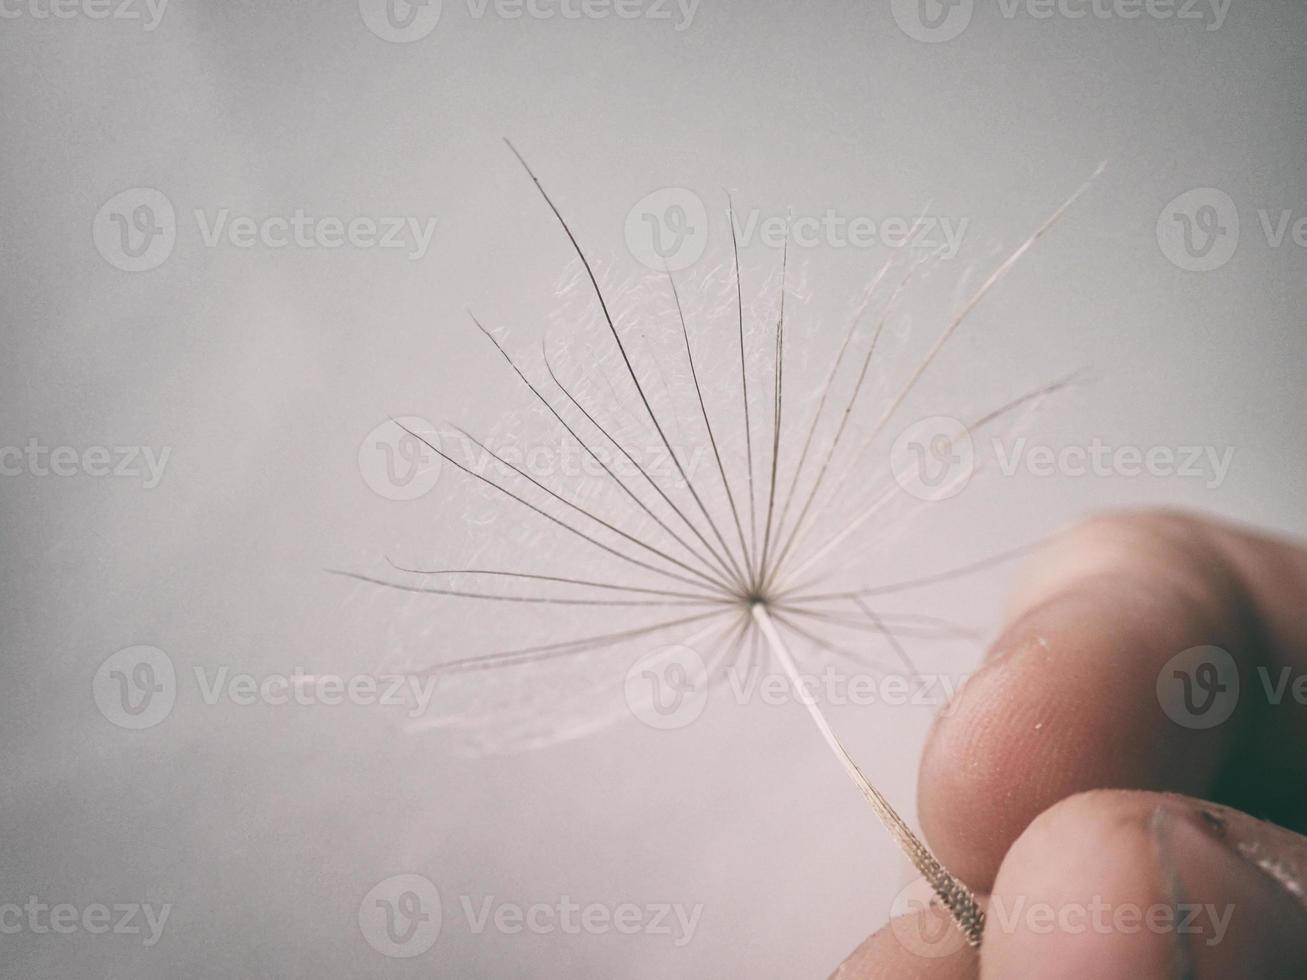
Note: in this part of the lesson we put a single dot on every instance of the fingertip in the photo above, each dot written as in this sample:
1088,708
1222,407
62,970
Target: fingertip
1067,699
1069,872
921,945
1062,706
1117,884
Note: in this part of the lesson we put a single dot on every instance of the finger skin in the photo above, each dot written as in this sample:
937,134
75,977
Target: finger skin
917,946
1122,884
1067,700
1119,885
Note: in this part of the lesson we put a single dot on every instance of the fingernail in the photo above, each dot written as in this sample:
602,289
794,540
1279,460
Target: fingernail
1277,852
1234,893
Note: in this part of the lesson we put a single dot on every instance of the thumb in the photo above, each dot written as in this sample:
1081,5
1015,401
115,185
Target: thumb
1115,884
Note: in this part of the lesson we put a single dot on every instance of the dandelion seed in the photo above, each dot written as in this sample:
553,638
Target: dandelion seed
737,563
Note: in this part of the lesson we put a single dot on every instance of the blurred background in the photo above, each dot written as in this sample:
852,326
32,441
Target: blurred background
238,237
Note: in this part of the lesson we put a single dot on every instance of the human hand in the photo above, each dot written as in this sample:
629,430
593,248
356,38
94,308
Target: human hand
1069,786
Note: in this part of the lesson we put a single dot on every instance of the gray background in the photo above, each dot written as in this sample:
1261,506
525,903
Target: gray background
263,370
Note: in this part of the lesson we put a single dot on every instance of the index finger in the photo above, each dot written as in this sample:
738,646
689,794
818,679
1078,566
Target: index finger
1131,636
